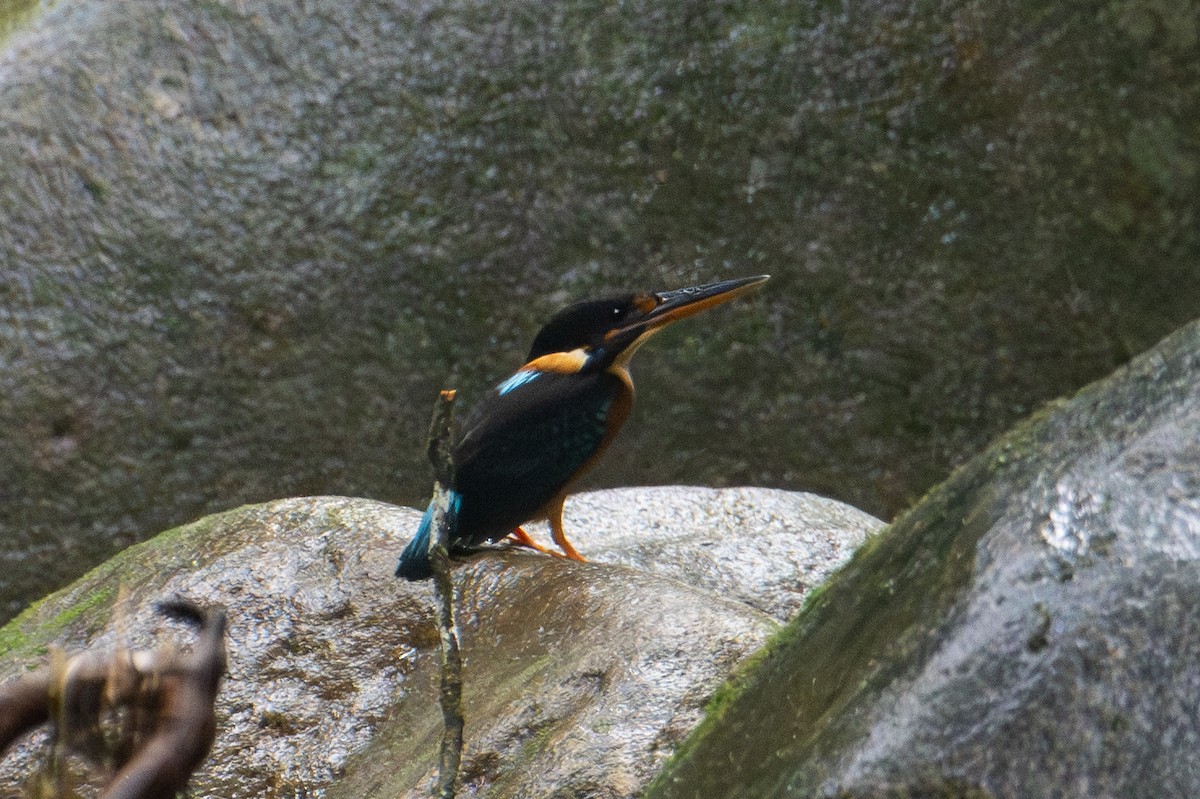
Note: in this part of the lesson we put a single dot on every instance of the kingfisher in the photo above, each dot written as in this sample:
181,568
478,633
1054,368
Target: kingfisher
538,431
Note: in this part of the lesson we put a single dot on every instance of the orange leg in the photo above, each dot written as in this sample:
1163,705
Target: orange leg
522,539
560,537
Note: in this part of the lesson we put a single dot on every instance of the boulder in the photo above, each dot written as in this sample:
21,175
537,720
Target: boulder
580,679
1031,629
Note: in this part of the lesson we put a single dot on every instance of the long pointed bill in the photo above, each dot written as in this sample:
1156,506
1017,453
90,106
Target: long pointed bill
675,305
662,308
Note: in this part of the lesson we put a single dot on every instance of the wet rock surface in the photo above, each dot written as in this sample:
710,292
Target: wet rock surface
799,538
245,243
1029,630
579,678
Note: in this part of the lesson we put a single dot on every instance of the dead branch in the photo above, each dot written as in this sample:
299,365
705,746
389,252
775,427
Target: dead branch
23,706
166,695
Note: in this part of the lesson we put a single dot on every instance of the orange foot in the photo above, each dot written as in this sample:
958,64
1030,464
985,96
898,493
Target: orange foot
522,539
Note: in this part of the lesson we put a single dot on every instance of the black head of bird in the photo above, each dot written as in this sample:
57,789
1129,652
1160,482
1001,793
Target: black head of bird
526,443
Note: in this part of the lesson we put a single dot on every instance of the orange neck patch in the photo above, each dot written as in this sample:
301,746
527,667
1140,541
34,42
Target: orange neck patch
558,362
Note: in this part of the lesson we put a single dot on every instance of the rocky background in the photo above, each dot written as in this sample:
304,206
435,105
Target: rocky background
244,242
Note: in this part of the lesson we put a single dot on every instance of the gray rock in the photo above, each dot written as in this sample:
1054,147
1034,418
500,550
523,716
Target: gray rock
580,678
243,244
1031,629
783,543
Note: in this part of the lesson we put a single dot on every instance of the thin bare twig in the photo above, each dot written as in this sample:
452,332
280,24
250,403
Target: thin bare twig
443,590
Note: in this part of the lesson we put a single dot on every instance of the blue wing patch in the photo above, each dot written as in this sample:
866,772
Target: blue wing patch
517,380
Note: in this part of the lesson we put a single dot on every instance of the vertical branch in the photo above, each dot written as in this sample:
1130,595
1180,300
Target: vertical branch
443,591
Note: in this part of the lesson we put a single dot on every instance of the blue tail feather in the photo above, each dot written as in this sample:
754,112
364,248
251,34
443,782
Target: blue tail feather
414,560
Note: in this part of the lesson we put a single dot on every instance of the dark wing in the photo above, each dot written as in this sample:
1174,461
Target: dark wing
524,443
